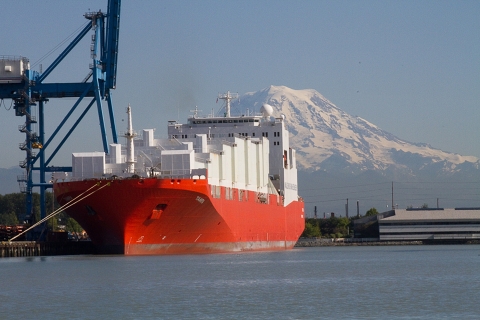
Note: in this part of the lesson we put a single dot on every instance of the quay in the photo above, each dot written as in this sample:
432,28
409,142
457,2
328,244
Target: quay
330,242
36,248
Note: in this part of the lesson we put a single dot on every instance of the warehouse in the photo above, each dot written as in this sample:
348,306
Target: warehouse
426,224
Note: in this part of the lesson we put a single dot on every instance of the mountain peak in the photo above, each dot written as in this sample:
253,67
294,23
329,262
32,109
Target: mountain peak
327,138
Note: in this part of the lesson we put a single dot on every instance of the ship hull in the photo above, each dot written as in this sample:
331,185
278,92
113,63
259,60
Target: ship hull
179,216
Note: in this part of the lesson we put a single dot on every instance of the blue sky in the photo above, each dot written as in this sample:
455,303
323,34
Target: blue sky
410,67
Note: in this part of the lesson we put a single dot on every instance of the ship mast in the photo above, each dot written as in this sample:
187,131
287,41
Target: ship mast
227,97
130,135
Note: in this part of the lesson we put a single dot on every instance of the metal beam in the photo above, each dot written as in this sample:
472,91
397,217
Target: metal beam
41,134
112,117
113,30
63,122
63,90
55,169
64,53
69,132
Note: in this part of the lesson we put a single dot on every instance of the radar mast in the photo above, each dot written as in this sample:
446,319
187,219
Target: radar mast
227,97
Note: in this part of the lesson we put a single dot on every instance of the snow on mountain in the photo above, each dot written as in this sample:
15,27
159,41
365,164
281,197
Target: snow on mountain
327,138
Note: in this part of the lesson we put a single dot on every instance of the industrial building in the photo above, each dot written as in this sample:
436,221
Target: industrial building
422,224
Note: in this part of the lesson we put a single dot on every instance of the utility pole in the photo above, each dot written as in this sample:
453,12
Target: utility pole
346,209
392,198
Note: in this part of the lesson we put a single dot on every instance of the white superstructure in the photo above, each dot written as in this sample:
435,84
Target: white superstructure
244,152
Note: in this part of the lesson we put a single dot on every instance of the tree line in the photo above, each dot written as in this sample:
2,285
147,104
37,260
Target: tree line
332,227
13,207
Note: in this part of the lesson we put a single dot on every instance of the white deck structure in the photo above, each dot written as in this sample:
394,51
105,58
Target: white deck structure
248,152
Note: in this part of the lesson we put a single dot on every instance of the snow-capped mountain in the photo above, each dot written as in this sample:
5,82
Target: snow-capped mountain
327,138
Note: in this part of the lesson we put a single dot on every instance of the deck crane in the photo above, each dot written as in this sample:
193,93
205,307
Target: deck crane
29,88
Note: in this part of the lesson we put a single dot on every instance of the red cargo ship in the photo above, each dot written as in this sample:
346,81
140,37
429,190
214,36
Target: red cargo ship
216,184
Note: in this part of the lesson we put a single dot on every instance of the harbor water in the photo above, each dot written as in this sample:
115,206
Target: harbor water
367,282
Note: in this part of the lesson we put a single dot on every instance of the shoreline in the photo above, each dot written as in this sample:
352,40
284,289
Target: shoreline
309,242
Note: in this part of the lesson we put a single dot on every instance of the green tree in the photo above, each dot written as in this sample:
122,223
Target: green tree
13,203
72,225
343,226
8,219
371,212
12,211
312,230
332,227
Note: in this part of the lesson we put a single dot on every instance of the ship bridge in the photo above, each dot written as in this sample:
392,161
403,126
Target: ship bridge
245,121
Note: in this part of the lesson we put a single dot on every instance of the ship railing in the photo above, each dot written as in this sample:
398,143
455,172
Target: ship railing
14,58
85,178
183,173
109,174
184,176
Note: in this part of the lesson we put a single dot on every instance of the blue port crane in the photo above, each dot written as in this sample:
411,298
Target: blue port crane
28,88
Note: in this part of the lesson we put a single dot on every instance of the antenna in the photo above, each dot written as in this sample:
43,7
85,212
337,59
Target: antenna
392,197
228,97
195,112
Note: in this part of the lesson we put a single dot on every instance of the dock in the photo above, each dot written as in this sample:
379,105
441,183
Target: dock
36,248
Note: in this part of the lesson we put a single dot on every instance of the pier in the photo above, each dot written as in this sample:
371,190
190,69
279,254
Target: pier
35,248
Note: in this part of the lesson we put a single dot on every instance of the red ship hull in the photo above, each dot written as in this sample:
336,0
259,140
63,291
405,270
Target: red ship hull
177,216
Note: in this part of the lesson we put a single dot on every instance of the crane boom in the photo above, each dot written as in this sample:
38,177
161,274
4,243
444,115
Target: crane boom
113,30
28,88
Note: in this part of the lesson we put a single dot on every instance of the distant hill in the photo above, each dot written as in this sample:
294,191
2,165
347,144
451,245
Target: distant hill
327,138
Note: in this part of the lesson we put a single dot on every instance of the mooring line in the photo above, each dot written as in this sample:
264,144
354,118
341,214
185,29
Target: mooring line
65,206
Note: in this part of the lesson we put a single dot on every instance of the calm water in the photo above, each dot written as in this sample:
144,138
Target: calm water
391,282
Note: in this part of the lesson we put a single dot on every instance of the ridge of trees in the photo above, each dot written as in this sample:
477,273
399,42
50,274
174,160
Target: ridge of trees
333,227
12,212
